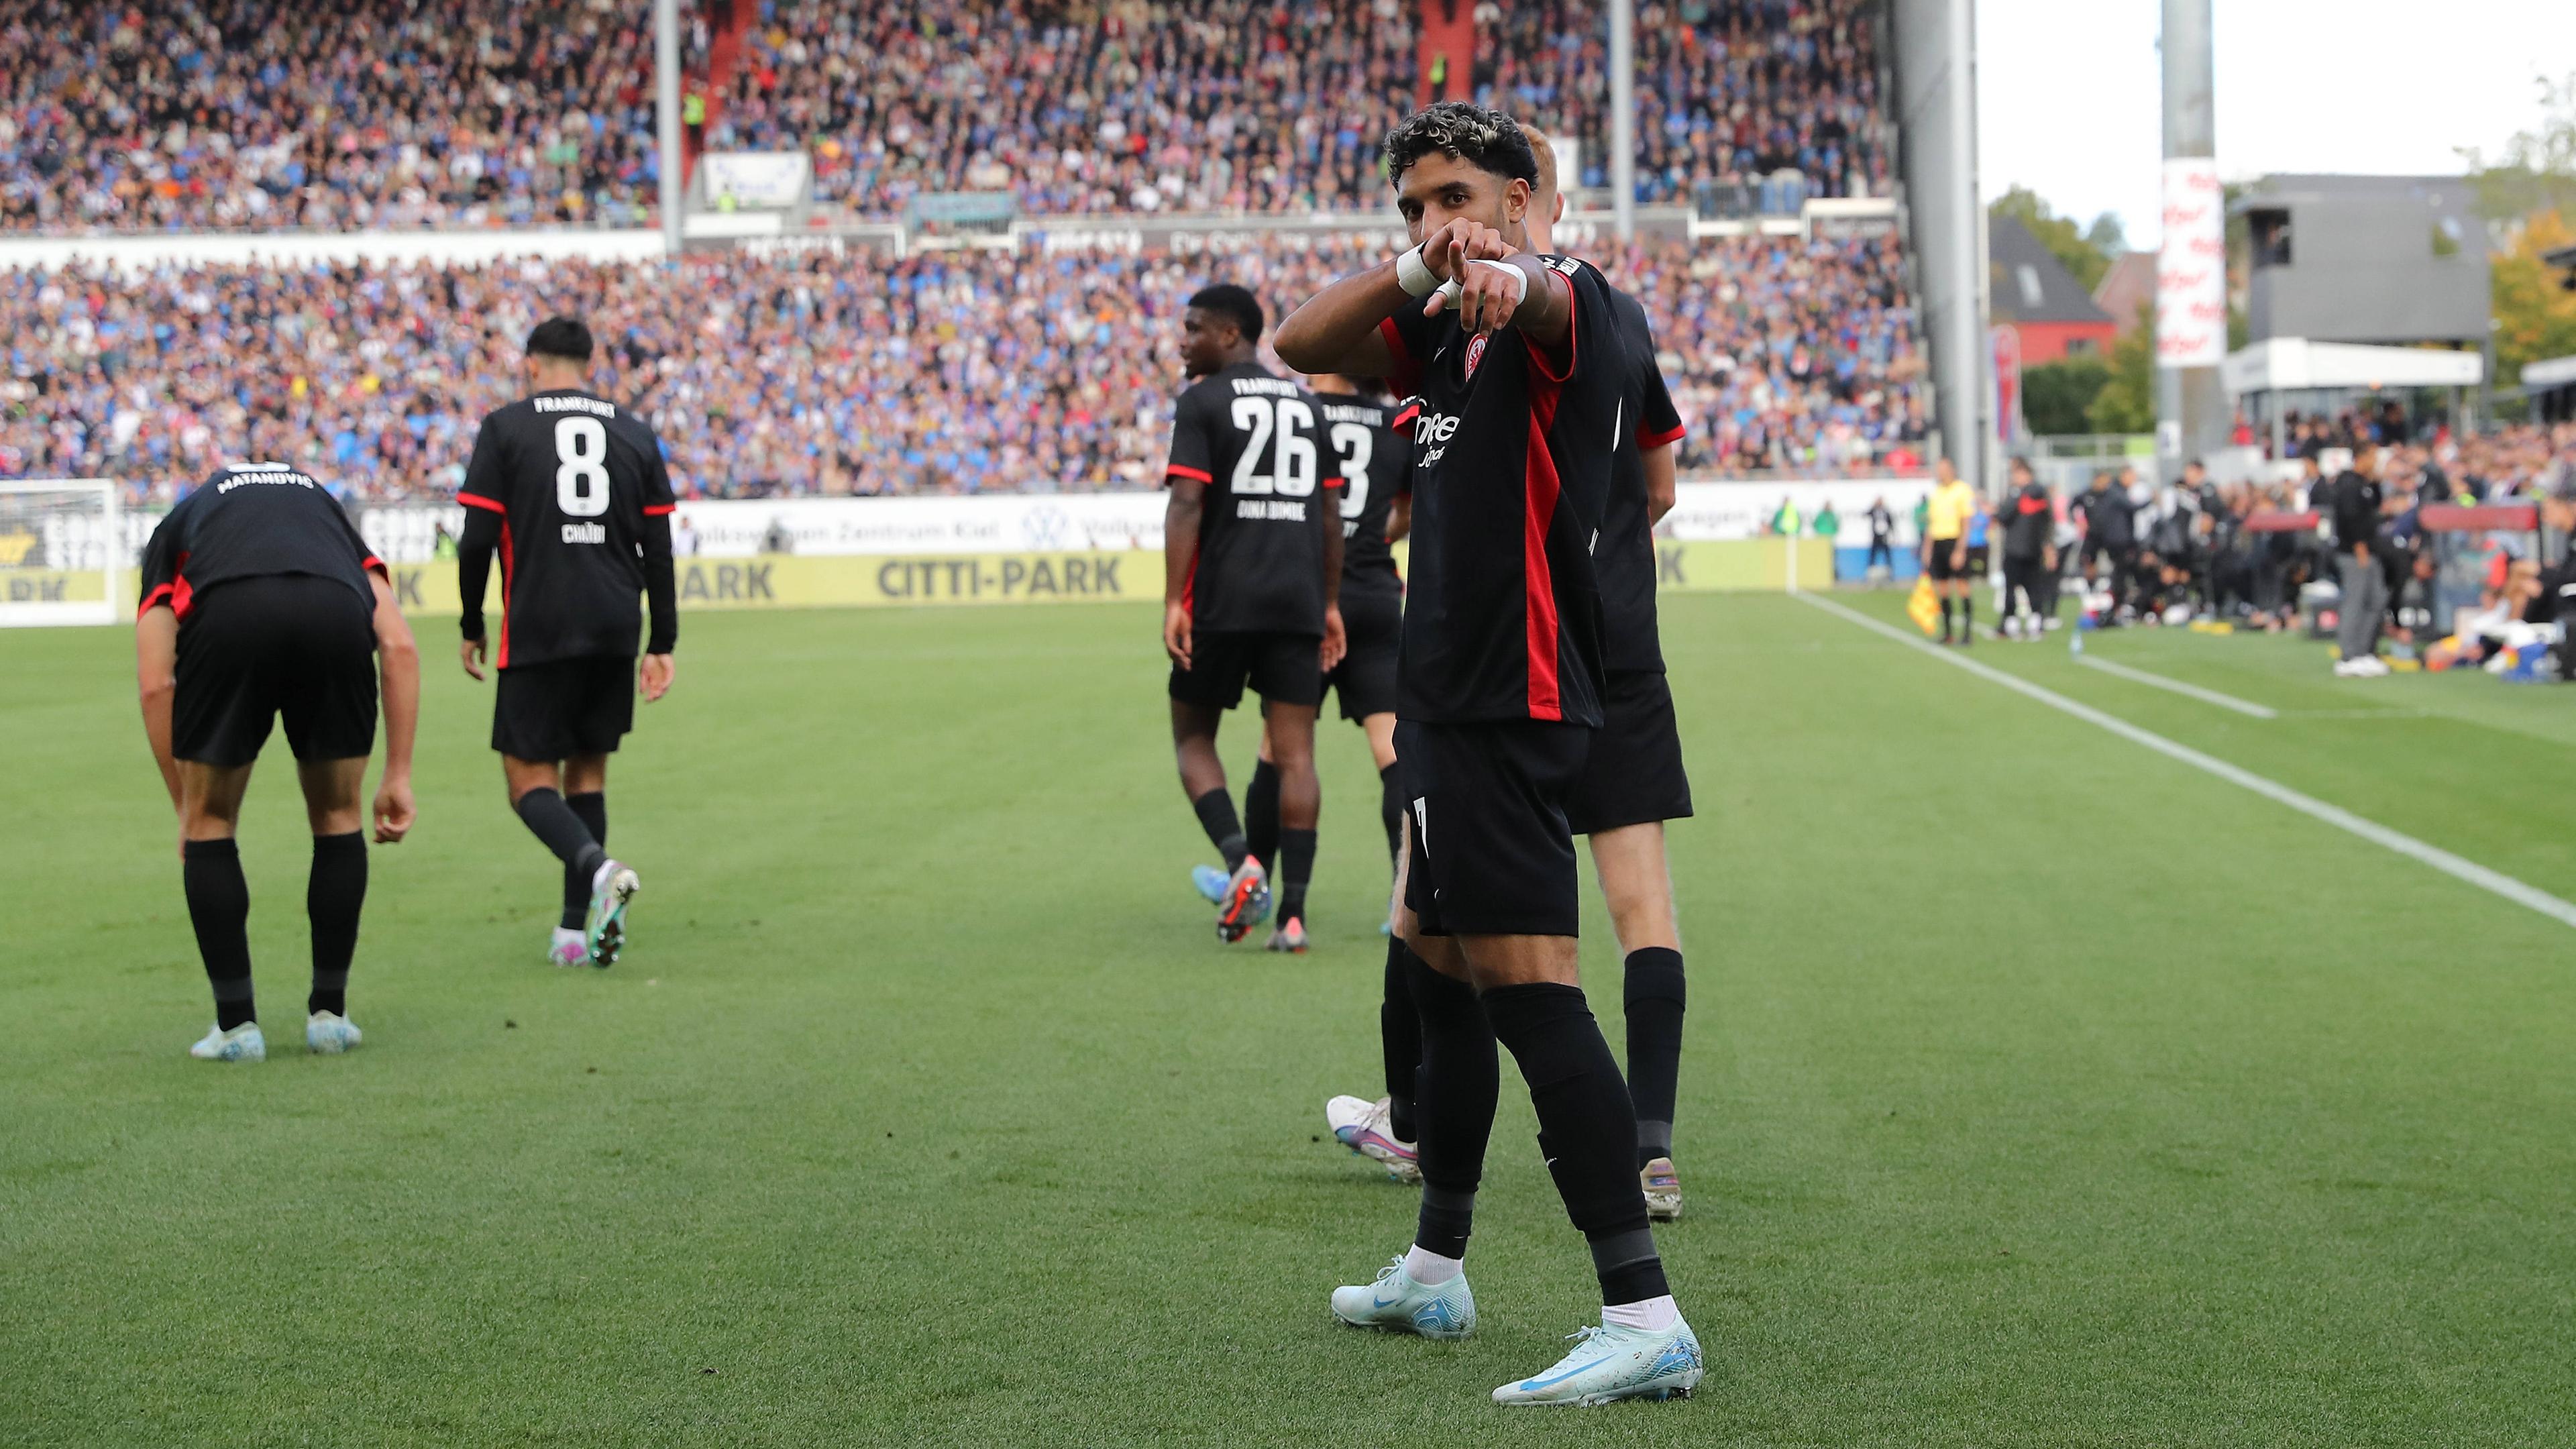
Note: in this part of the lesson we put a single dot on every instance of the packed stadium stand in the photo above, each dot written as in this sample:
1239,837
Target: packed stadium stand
943,372
850,370
375,113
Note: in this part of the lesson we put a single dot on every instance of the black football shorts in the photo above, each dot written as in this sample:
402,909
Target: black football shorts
1493,853
1282,668
254,650
1938,564
564,707
1634,772
1365,679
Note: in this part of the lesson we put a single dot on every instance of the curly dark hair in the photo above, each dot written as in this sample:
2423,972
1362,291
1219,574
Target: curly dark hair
1488,140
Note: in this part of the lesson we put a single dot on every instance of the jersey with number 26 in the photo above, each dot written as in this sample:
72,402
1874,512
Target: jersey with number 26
573,478
1259,444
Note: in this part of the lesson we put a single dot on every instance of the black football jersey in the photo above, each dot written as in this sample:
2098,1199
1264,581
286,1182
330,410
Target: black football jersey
1511,472
574,479
1373,449
247,521
1625,558
1258,443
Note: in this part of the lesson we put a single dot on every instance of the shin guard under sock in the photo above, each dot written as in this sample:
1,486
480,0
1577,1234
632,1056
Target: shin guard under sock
1224,831
1296,868
1261,815
591,808
219,907
1399,1030
1655,1000
552,821
1461,1080
1587,1129
334,895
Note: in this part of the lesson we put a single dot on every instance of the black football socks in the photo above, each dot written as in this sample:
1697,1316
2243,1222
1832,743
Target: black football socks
1968,620
1654,1000
219,907
1399,1029
1945,618
591,808
1296,867
1261,814
1390,810
1217,818
1587,1130
1461,1080
334,895
553,821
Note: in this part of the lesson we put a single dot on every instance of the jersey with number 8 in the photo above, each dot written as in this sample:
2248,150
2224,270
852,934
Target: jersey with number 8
574,477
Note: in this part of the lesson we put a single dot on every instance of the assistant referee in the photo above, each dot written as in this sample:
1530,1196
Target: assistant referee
1945,548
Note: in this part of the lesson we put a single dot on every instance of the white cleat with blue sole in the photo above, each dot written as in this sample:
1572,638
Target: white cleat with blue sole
1397,1304
330,1033
612,887
1611,1363
241,1044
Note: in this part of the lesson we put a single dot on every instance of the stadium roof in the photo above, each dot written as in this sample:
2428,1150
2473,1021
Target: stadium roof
2283,364
2030,284
2557,371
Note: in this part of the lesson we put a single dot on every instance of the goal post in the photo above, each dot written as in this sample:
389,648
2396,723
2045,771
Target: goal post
64,555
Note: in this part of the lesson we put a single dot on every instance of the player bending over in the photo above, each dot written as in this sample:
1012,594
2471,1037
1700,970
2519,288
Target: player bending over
1632,780
260,600
1251,591
571,490
1373,451
1521,371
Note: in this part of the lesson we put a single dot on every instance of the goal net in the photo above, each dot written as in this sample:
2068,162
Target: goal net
64,554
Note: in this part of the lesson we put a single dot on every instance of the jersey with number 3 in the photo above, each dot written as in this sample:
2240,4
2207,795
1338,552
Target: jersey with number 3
1259,444
573,478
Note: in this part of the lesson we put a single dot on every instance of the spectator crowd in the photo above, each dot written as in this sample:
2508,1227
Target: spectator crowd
376,113
850,372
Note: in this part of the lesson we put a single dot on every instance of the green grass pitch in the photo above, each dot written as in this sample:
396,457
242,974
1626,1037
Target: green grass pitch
2039,1090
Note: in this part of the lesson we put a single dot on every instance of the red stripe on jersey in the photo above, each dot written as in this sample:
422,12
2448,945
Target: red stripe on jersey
1405,418
656,510
477,500
1657,440
1539,488
1337,483
501,653
159,592
378,565
1201,475
1408,373
1190,585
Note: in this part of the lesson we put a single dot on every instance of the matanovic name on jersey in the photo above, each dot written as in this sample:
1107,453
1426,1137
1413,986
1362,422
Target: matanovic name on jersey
558,404
238,474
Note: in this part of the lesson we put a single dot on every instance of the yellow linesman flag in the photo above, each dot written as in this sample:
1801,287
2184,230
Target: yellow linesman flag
1924,608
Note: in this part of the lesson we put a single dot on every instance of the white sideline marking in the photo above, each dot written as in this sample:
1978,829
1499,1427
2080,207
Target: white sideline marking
2308,805
2158,681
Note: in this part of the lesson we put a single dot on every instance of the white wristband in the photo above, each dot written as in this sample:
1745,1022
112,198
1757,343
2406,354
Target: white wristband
1413,276
1520,279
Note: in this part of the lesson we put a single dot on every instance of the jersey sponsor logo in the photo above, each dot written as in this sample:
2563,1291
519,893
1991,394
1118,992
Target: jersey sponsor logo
1431,433
585,533
1273,509
590,405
